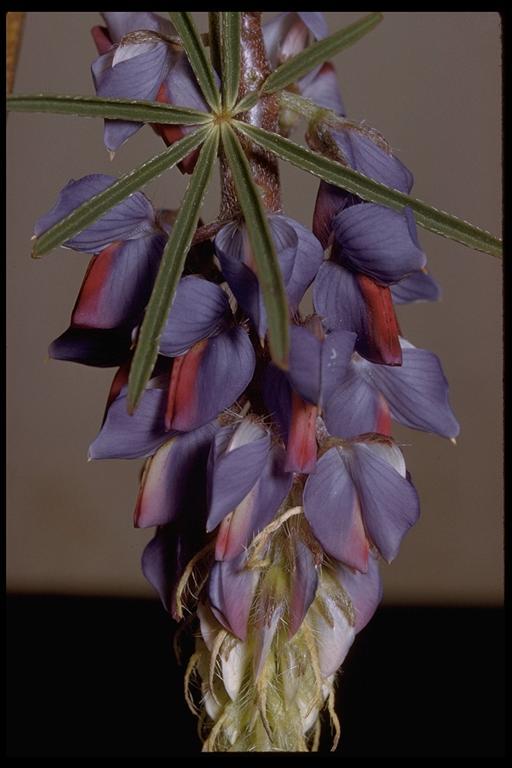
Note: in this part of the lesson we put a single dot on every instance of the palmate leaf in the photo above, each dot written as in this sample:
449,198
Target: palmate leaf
137,110
318,52
196,54
426,216
90,211
230,40
169,273
269,272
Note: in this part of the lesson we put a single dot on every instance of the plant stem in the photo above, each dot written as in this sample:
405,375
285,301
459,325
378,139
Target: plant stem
254,69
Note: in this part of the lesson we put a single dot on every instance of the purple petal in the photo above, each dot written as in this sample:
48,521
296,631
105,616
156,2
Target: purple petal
378,242
332,509
364,590
315,22
418,286
366,156
236,469
354,408
121,23
337,351
175,481
199,310
316,367
118,284
416,391
304,581
131,437
389,502
305,364
229,246
277,395
136,78
333,637
164,560
323,89
231,591
100,348
182,87
257,509
216,376
130,219
300,255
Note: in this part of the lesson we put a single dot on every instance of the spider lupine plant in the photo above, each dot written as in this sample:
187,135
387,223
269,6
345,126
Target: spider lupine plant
272,478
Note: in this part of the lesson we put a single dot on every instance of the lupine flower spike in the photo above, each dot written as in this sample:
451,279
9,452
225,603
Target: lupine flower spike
271,478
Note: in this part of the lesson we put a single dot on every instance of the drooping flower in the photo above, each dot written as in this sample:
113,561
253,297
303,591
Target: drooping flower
127,243
247,484
359,496
141,58
414,394
286,35
299,255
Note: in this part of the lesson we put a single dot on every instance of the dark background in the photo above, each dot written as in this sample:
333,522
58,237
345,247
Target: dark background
97,677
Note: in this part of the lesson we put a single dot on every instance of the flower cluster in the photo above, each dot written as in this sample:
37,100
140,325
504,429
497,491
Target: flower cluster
275,493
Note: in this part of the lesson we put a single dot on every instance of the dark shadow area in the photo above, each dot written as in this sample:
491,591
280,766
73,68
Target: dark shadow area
97,677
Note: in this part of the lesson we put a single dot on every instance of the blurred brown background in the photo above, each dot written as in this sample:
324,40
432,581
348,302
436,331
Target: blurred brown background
431,83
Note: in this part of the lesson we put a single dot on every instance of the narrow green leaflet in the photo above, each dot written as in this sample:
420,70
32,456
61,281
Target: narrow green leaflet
269,272
230,30
247,102
91,210
214,39
114,109
426,216
169,273
196,53
318,52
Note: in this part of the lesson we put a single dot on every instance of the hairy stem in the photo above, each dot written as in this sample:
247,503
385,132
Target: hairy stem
254,69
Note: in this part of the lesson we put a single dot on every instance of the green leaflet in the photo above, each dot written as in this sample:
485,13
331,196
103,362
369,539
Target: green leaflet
196,53
230,35
115,109
214,39
169,273
318,52
87,213
269,272
426,216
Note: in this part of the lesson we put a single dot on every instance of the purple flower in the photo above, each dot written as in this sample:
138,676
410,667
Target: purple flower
418,286
363,150
317,364
247,484
231,589
286,35
174,481
355,302
138,61
299,254
128,242
359,496
414,394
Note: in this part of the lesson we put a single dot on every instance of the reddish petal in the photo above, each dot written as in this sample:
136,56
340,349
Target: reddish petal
301,449
101,39
383,343
181,403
